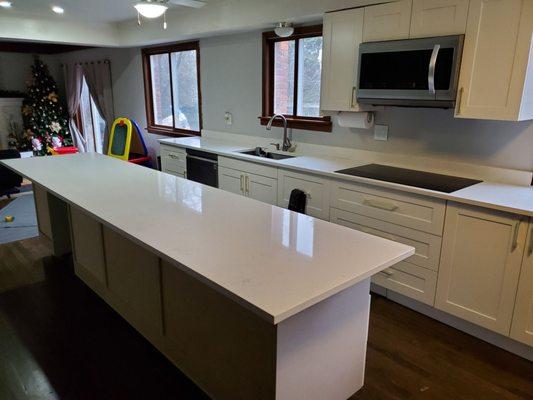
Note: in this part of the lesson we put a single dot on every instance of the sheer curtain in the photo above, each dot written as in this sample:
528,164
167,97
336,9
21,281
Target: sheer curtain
98,77
73,85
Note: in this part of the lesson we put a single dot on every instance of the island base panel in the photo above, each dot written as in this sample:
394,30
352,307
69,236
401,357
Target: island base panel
228,350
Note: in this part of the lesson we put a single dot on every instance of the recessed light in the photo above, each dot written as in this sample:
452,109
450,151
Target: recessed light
5,4
58,10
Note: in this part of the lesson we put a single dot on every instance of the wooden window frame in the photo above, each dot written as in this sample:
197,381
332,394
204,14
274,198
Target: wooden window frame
152,127
322,124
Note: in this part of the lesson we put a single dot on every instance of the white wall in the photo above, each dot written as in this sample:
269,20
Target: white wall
231,69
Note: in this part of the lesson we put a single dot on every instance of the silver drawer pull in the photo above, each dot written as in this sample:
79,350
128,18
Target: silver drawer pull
389,272
380,204
175,157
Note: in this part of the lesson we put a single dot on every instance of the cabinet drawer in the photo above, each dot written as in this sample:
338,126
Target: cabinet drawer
409,210
410,280
427,246
317,190
248,167
179,172
173,166
174,153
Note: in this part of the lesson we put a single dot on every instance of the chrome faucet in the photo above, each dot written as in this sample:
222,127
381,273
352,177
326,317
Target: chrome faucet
287,145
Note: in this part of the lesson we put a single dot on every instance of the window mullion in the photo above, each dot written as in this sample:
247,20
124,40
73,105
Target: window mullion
296,66
171,90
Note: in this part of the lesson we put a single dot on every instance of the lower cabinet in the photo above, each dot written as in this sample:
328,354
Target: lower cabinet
174,161
522,326
480,266
317,190
42,211
258,182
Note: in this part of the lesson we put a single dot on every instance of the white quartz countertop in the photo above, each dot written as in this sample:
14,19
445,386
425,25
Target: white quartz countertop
271,260
498,196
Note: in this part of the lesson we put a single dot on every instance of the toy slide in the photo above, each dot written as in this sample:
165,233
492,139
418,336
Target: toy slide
126,142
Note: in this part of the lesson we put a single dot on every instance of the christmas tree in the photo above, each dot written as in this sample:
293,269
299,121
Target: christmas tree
45,118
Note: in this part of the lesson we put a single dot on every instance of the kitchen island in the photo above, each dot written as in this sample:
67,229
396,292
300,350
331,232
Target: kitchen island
249,300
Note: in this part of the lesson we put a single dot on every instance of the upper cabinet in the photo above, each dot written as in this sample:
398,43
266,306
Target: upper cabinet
495,81
387,21
438,18
343,32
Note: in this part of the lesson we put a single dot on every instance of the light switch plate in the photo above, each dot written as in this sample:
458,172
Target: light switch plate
381,132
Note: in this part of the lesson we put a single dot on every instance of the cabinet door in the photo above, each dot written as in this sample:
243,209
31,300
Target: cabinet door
480,264
387,21
88,245
343,32
317,190
261,188
495,60
42,210
231,180
438,17
522,327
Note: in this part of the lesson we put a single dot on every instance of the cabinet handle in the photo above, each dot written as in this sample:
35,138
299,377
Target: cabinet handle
352,104
247,184
530,247
515,236
242,183
460,101
173,156
389,272
380,204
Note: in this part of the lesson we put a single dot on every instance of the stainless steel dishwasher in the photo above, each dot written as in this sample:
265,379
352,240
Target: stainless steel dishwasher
202,167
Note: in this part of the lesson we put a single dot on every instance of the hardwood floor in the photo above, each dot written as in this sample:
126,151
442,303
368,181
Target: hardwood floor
60,341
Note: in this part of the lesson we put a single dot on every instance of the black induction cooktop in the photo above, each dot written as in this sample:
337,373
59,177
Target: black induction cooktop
410,177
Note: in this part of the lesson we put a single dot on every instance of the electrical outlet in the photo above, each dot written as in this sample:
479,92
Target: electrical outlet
381,132
228,118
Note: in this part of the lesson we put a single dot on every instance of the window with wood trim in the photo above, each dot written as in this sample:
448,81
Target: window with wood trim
292,70
172,89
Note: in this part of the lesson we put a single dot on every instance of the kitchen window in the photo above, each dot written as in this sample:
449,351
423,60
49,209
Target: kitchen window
172,89
292,69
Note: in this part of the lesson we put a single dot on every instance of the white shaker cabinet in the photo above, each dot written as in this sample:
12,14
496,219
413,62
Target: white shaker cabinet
480,266
522,327
438,17
258,182
174,161
496,79
342,33
387,21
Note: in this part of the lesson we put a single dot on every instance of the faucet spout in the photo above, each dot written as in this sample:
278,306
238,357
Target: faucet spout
287,145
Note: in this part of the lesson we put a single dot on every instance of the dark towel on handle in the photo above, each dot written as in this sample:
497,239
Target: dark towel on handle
298,201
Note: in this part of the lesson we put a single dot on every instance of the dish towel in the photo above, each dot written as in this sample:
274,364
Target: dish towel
298,201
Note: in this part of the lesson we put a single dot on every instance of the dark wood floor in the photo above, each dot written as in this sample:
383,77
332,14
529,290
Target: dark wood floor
59,341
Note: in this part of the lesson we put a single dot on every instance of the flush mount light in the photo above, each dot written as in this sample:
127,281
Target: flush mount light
151,9
58,10
284,29
5,4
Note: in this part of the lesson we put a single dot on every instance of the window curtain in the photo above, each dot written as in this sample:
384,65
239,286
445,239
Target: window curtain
98,78
73,86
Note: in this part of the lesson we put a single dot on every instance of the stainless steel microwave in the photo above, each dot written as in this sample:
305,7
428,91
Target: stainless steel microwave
413,72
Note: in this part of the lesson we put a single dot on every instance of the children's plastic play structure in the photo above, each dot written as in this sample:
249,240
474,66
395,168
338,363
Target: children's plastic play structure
126,142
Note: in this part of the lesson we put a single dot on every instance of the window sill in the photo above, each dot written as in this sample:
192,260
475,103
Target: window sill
166,131
309,124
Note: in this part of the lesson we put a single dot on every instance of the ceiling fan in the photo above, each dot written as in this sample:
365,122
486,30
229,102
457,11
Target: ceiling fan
155,8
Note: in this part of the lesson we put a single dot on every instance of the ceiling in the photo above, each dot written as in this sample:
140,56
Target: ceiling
106,11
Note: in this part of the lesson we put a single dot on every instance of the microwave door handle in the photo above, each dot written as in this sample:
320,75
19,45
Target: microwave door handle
432,66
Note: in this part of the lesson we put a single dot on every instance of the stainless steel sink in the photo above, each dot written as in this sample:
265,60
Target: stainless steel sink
258,152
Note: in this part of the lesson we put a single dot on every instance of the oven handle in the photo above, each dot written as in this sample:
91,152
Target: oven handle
432,66
202,159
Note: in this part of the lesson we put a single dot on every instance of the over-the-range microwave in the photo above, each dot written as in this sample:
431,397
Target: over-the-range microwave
413,72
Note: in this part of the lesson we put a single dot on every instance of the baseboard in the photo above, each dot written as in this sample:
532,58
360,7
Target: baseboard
479,332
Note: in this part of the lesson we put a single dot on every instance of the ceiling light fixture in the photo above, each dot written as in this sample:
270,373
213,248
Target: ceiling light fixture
58,10
151,9
284,29
5,4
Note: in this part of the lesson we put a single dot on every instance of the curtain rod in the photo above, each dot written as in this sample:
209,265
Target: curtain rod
89,62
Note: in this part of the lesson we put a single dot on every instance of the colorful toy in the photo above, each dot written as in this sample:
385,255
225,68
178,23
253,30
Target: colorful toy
59,151
126,142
